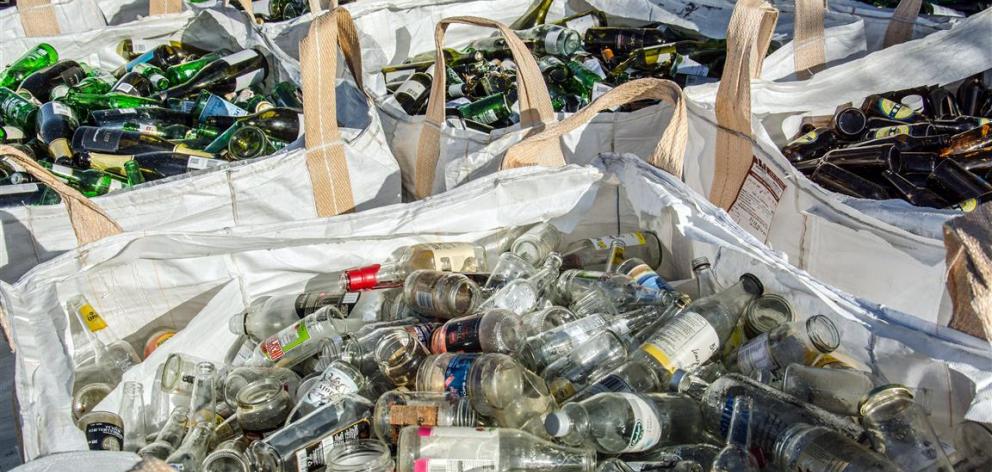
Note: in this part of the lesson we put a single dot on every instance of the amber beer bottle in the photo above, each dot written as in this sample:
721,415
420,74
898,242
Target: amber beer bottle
862,158
958,182
919,196
842,181
810,145
850,123
974,139
879,106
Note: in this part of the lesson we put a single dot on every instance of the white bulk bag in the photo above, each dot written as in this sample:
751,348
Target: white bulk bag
886,251
342,168
143,281
56,17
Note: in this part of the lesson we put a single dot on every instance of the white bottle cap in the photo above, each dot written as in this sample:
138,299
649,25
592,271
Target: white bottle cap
557,424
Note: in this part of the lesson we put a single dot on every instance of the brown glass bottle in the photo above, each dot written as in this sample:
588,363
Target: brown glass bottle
834,178
879,106
957,182
810,145
974,139
919,196
909,143
849,123
913,162
943,104
970,94
865,158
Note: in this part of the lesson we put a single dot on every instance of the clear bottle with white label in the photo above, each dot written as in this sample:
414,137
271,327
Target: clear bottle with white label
838,391
493,330
267,316
338,378
537,243
800,342
802,448
486,449
297,342
398,408
900,428
617,423
594,253
691,337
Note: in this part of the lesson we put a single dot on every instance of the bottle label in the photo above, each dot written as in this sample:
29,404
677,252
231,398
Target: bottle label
593,65
247,80
805,139
93,321
333,384
19,188
311,458
240,56
61,170
756,356
411,88
551,42
456,374
310,302
217,106
895,110
459,335
422,332
610,383
599,89
124,87
141,46
114,184
487,117
456,91
685,343
889,131
104,437
105,140
277,346
60,108
455,465
410,415
199,163
627,239
646,430
690,67
460,450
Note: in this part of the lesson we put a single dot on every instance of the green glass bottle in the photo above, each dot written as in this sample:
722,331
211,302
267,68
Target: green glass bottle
132,170
3,135
588,78
42,56
230,73
95,84
17,110
89,182
184,71
649,58
554,70
287,95
162,56
249,142
488,111
551,39
90,101
535,15
154,75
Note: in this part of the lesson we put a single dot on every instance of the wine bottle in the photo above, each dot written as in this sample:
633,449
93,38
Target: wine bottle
133,84
535,15
228,74
55,124
280,123
141,116
43,55
184,71
40,83
90,182
89,101
17,110
119,141
154,75
250,142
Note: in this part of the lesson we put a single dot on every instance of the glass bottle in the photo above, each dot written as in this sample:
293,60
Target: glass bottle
642,274
119,141
798,342
162,56
490,110
802,447
736,455
154,75
486,449
691,337
296,342
973,441
441,294
762,315
33,60
539,321
203,399
239,377
899,428
493,330
89,182
366,455
771,413
303,444
849,123
810,145
337,379
594,253
616,423
133,84
228,456
143,116
957,182
508,268
89,101
837,179
230,73
249,142
413,94
267,315
55,125
283,124
184,71
495,385
398,408
132,412
535,15
17,111
537,243
919,196
170,436
523,294
619,289
190,454
263,406
632,376
838,391
877,105
104,430
446,257
39,84
971,140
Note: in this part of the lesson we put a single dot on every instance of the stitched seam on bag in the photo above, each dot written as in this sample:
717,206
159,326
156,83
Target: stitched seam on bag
234,196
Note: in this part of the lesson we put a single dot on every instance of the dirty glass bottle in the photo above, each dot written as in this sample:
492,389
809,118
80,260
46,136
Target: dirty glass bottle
799,342
398,408
802,447
194,448
838,391
170,436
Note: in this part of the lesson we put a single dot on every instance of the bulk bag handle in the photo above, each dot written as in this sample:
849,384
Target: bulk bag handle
38,16
535,102
808,41
668,155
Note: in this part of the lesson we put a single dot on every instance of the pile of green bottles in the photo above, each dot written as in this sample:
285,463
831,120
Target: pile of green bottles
170,109
939,7
282,10
930,146
580,57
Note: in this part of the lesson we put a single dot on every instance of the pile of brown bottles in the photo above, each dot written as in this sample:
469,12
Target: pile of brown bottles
519,352
169,110
930,146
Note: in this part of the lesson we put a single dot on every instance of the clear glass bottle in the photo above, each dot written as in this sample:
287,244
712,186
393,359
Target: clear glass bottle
297,342
633,376
704,282
104,430
617,423
367,455
239,377
537,243
338,378
398,408
973,441
691,337
620,289
489,449
441,294
802,447
132,412
771,412
799,342
228,456
641,273
493,330
899,428
762,315
267,315
170,436
523,294
303,443
546,319
594,253
838,391
263,406
179,374
203,400
509,267
495,385
736,455
190,454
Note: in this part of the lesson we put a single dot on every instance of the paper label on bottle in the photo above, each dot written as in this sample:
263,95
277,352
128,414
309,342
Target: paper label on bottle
455,257
756,356
60,108
247,80
592,64
141,46
461,450
690,67
104,437
456,374
888,131
646,430
411,88
104,140
487,117
124,87
582,23
551,42
278,345
456,91
13,133
610,383
334,383
756,204
199,163
19,188
685,343
422,332
627,239
459,335
895,110
311,458
114,184
599,89
59,169
310,302
217,106
240,56
455,465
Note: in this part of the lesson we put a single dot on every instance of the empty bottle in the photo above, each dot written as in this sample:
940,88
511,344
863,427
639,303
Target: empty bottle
594,253
489,449
899,428
33,60
170,436
295,343
190,454
132,412
633,376
616,423
203,399
263,406
617,288
802,447
799,342
55,125
240,377
398,408
537,243
973,441
339,378
539,321
366,455
522,295
490,331
104,430
736,455
228,456
441,294
838,391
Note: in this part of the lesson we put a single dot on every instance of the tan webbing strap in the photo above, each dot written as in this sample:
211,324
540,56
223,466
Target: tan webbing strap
89,222
668,154
808,41
748,37
249,10
316,6
38,18
900,27
532,94
164,7
326,162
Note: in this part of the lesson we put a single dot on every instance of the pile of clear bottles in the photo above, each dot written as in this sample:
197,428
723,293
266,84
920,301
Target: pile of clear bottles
519,352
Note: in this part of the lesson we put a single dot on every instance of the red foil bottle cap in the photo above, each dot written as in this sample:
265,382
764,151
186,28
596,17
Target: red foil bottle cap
363,278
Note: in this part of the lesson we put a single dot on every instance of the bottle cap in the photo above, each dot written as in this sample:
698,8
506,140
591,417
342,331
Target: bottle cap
700,262
557,424
237,323
362,278
753,285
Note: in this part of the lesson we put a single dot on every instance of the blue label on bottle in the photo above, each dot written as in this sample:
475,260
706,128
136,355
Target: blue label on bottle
142,59
611,383
217,106
654,281
456,374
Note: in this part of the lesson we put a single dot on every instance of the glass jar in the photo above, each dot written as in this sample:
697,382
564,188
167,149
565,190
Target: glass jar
263,406
899,428
441,294
367,455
